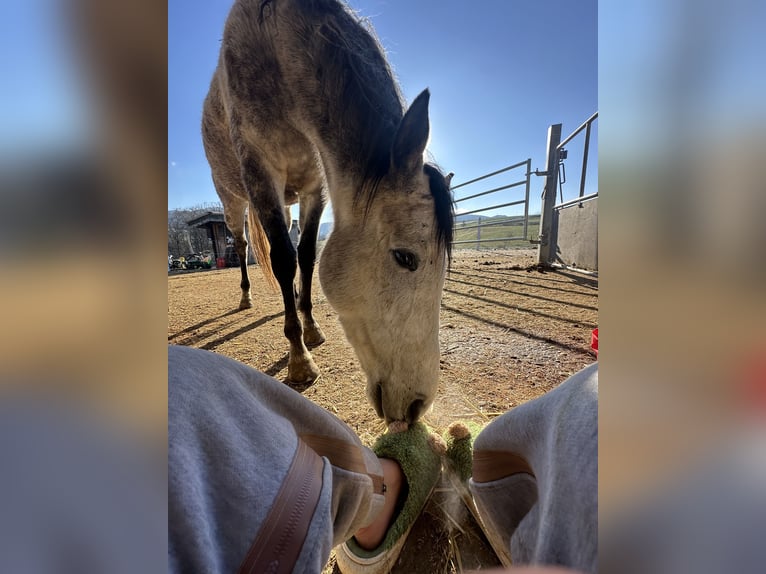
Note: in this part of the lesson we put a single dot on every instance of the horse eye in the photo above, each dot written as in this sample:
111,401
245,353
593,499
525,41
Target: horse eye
406,259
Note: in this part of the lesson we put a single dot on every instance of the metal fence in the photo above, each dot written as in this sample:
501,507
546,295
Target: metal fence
568,230
497,221
487,228
586,125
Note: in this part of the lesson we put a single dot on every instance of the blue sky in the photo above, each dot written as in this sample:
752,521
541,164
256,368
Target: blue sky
500,73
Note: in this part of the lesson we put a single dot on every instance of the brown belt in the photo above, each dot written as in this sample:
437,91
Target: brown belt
490,465
342,454
279,541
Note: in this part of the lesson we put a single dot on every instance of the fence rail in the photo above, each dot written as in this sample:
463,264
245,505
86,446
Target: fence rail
512,220
509,220
586,125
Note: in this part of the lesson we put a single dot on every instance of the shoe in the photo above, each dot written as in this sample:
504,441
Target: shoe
419,453
459,438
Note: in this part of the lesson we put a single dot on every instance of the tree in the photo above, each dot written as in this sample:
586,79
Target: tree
182,239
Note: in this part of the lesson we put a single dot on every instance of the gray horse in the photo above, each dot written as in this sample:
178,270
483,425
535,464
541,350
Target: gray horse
303,105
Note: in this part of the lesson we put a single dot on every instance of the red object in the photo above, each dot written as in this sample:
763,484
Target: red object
753,382
594,341
220,263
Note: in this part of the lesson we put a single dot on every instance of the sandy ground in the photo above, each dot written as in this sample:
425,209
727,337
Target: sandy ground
509,333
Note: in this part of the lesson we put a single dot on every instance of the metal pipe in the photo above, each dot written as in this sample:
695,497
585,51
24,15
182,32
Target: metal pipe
511,220
585,160
489,240
576,200
484,224
510,167
570,268
546,248
515,184
526,196
492,207
478,233
577,131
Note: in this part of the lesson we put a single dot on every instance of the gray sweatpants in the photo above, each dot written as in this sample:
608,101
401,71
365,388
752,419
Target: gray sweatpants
233,433
538,490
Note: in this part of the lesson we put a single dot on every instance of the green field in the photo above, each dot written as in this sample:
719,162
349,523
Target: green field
497,227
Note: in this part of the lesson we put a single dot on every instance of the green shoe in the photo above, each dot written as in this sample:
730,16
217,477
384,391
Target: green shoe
419,453
459,438
459,469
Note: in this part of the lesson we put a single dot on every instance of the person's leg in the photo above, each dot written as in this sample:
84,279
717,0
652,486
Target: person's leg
233,436
372,535
535,476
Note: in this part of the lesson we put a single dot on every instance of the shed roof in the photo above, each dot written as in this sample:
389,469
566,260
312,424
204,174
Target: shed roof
209,217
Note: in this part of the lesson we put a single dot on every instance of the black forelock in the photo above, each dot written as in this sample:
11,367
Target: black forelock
444,208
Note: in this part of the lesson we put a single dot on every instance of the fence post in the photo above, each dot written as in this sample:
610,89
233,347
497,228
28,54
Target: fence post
526,198
547,233
478,234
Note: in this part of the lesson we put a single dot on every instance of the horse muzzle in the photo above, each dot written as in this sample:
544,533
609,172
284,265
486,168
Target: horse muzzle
408,408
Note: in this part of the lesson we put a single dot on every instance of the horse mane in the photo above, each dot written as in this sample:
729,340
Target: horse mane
372,105
355,71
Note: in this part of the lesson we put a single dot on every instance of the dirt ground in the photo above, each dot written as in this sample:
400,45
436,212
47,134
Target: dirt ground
509,333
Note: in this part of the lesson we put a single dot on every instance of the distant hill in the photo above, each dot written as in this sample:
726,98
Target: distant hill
324,230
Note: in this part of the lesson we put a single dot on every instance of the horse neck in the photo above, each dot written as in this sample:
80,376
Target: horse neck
349,159
354,107
342,187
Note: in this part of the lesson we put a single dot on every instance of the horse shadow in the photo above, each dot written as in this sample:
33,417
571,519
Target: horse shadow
580,279
236,333
201,324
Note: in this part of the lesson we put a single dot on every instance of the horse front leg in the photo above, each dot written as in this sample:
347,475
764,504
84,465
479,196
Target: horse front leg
312,206
301,368
265,199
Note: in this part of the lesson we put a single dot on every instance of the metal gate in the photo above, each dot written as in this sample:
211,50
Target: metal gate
568,230
568,233
499,229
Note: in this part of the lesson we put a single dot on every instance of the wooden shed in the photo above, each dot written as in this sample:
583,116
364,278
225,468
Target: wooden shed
221,237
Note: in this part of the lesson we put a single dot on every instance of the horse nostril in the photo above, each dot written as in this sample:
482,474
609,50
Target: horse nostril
377,399
415,410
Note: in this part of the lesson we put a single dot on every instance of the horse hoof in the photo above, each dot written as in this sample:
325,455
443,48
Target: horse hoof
302,373
245,304
313,337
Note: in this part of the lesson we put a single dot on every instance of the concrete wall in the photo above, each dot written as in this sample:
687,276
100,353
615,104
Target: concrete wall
576,241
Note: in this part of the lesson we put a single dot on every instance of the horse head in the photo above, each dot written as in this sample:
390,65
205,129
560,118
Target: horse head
383,271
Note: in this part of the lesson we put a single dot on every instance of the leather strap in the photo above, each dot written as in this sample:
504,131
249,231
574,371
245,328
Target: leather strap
489,465
279,541
345,455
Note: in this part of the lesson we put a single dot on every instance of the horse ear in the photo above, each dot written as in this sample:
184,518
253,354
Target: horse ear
412,134
449,177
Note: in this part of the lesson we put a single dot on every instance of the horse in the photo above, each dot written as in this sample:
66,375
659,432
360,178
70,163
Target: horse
302,107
